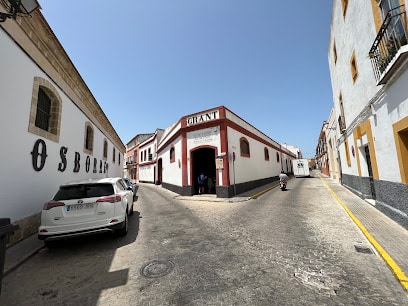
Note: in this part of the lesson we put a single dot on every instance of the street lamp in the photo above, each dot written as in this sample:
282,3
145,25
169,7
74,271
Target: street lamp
23,7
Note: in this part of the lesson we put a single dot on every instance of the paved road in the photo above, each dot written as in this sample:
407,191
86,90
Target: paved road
284,248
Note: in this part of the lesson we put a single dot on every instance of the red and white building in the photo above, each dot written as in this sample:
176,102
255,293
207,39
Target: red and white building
235,154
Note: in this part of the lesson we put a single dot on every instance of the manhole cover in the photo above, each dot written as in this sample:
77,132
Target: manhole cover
157,268
363,249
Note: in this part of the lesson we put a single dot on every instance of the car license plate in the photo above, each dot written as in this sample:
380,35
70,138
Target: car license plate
79,206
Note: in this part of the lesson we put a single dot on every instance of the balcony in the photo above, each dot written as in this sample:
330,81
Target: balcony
390,47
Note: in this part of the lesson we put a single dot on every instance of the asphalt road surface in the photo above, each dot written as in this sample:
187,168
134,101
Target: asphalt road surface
296,247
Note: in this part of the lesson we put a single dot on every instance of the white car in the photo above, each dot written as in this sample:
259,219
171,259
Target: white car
87,207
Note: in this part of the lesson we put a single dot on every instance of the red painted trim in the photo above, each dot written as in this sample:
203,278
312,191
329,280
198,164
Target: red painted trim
224,148
184,178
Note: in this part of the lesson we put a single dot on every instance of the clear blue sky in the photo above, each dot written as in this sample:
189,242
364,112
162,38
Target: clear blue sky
150,62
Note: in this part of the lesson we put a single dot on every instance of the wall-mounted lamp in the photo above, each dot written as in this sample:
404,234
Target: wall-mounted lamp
19,7
326,126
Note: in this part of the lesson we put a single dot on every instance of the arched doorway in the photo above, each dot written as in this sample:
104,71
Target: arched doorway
159,171
203,160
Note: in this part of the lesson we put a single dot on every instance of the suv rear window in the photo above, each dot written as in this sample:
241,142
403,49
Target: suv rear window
83,191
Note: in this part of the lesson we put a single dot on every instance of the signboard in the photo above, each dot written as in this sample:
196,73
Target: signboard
203,118
219,163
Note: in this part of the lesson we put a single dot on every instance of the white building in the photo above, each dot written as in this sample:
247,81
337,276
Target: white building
53,130
217,142
368,68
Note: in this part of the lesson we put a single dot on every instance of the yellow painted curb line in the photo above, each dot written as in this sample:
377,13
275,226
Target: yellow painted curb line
399,274
262,192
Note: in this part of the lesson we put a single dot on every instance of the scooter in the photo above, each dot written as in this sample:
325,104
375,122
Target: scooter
282,185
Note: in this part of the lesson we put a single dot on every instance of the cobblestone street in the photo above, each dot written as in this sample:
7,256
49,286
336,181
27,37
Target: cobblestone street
296,247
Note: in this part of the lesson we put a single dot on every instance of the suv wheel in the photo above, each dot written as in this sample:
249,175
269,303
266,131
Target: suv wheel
123,231
131,210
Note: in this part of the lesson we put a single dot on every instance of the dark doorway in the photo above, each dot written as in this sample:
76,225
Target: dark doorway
159,171
204,161
370,171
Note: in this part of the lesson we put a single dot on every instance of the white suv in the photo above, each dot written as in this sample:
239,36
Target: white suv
87,207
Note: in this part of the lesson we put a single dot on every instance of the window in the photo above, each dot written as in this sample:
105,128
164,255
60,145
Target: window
344,4
89,138
113,155
172,155
119,158
149,155
387,5
42,118
346,147
121,185
81,191
334,52
244,147
353,65
45,111
341,120
266,153
277,157
105,149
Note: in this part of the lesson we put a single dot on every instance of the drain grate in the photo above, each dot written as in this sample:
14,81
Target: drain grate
157,268
363,249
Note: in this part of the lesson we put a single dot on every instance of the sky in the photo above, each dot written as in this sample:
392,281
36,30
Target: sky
148,63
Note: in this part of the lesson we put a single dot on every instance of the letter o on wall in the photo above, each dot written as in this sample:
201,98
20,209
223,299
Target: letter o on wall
35,154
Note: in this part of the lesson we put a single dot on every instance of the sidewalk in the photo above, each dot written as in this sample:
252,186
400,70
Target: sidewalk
389,239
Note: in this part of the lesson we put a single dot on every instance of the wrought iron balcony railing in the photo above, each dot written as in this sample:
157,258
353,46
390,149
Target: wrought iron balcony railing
390,38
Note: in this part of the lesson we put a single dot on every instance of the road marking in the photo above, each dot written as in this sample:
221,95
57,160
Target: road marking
399,274
262,192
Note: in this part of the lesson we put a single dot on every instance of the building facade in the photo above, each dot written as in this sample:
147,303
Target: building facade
131,170
234,154
368,69
53,129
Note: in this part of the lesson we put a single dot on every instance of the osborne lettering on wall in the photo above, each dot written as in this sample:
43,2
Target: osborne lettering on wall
39,157
202,118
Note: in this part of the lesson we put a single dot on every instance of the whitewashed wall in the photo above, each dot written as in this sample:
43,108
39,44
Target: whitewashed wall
393,108
171,172
22,189
354,33
254,167
146,168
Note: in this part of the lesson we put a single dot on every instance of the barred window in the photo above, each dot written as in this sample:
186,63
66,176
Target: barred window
89,138
266,153
105,149
42,118
244,147
172,155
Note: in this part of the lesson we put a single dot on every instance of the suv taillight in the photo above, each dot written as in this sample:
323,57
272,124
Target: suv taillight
51,204
112,199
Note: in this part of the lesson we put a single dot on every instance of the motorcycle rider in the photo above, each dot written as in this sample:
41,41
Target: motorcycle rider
283,177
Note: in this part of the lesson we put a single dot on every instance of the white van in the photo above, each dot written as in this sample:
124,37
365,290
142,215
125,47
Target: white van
300,167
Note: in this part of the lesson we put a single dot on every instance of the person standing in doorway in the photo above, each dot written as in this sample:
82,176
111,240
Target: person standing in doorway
201,182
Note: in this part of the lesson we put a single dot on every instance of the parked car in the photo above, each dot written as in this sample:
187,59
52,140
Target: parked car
87,207
131,185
